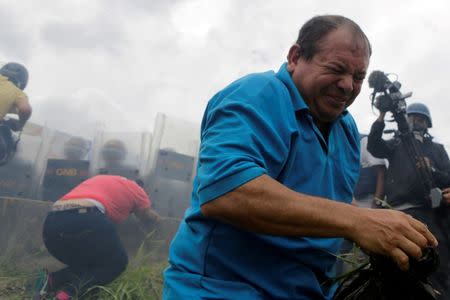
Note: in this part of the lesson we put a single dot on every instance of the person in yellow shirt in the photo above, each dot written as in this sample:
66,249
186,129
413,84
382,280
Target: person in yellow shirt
13,79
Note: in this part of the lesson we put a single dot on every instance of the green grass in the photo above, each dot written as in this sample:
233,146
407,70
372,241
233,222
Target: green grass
13,287
137,282
141,280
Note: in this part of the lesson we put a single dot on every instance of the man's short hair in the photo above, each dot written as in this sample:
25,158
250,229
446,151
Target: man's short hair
318,27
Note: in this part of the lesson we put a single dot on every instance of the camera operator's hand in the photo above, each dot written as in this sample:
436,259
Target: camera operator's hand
392,233
423,162
446,195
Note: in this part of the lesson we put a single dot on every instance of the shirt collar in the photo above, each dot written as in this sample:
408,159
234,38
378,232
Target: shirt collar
297,99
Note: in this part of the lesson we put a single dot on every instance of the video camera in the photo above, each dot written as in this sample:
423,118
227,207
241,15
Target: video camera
389,96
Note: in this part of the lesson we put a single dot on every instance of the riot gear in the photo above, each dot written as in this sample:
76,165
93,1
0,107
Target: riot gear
76,148
64,173
113,151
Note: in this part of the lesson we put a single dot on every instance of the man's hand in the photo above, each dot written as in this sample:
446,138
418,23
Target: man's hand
423,162
14,124
148,216
392,233
446,195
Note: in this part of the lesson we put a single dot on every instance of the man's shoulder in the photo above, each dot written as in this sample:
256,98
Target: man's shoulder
259,76
257,89
257,83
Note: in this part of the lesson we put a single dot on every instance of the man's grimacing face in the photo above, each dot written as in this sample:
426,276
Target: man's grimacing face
332,79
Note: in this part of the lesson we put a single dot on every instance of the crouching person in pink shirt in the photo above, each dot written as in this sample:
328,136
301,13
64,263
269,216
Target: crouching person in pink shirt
80,231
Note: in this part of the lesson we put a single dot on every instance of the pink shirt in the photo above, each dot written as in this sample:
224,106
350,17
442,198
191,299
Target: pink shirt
119,196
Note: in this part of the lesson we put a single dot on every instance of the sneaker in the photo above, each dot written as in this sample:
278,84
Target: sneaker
62,295
41,285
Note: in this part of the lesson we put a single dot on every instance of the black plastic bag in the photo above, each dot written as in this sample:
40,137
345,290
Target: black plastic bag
383,280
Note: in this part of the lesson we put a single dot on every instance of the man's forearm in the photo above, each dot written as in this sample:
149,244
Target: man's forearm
148,216
264,205
375,143
24,110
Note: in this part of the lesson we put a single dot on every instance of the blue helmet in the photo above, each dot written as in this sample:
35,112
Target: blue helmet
420,109
16,73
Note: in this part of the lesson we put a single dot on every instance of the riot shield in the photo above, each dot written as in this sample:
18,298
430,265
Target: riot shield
170,166
66,165
19,177
120,153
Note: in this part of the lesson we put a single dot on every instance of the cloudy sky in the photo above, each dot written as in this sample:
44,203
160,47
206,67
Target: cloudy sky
121,62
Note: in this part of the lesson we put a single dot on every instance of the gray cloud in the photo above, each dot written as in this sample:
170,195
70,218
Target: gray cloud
81,113
15,39
100,34
143,6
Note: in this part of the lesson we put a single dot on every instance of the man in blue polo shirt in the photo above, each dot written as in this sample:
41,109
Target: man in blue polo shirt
278,161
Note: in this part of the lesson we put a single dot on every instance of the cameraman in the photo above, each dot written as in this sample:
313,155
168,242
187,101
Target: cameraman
13,79
403,186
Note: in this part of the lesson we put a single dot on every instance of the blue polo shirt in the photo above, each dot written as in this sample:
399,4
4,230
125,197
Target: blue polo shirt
258,125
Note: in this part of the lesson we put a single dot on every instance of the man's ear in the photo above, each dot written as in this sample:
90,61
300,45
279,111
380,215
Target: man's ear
293,57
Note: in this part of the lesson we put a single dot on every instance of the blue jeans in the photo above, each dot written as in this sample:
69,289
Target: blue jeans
90,247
